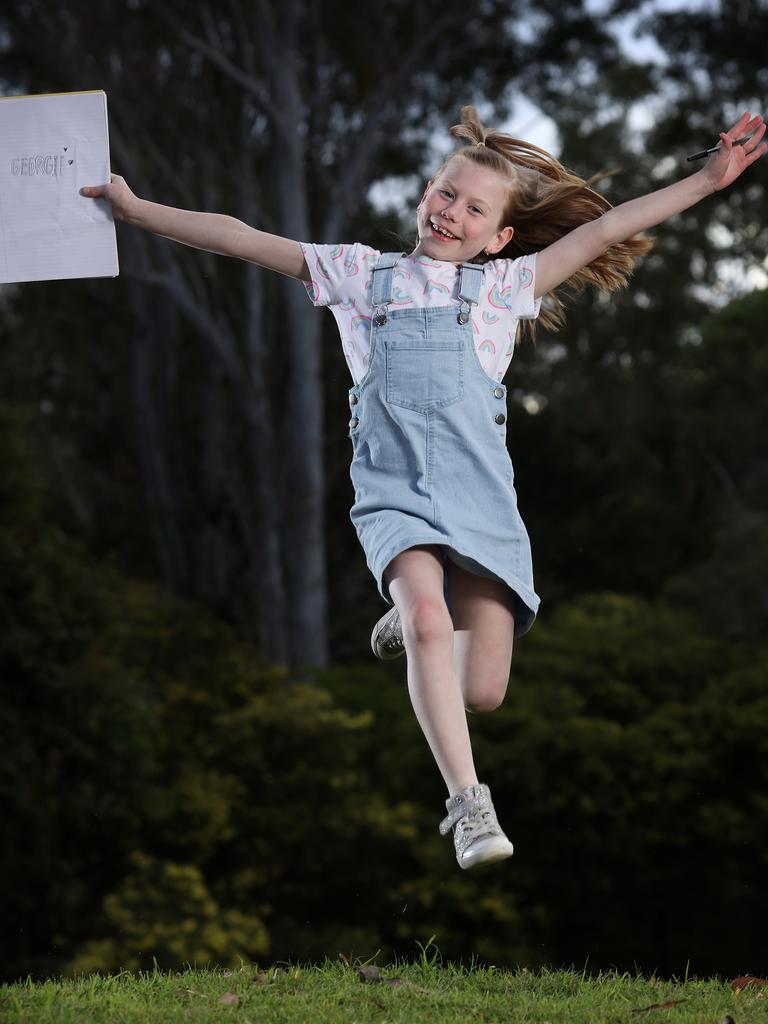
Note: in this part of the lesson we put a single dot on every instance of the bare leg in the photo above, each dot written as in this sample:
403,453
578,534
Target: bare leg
484,624
415,579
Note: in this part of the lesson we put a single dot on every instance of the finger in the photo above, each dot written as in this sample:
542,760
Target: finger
757,153
743,120
752,126
753,142
93,190
745,125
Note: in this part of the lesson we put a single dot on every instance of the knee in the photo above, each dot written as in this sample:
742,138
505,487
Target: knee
487,697
426,620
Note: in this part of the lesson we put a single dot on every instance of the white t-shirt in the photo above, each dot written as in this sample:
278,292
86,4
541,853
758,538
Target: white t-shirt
342,278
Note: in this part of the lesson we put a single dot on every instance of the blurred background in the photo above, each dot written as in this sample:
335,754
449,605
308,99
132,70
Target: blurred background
202,760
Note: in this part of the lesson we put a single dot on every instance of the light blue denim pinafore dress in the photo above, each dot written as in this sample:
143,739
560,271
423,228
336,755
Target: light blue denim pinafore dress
429,456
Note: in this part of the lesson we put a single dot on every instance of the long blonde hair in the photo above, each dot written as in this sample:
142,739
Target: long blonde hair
546,201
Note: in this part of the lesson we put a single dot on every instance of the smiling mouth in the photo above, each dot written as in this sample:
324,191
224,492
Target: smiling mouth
443,232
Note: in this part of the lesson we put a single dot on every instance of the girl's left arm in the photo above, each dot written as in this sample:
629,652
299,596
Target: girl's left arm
585,243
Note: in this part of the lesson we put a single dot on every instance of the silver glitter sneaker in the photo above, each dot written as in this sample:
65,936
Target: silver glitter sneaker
387,636
477,835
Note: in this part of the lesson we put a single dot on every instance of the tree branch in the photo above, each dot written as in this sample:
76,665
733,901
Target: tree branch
246,81
383,107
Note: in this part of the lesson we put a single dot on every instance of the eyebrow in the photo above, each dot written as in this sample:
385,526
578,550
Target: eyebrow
483,202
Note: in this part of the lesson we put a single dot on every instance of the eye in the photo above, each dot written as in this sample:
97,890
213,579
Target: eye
476,209
445,192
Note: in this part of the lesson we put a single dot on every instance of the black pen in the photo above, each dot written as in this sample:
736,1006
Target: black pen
715,149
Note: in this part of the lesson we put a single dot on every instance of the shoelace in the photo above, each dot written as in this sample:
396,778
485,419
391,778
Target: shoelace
473,806
480,824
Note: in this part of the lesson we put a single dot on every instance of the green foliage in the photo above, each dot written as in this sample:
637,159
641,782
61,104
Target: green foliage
164,912
623,767
164,798
406,992
720,388
173,801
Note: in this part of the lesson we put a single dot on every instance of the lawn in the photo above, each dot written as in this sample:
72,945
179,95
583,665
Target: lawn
340,992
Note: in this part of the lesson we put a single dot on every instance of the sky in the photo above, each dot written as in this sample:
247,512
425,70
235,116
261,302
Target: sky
531,123
542,131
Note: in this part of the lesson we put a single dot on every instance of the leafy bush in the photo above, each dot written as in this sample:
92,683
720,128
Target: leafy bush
164,798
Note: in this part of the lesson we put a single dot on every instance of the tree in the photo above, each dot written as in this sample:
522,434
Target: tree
314,114
607,497
720,391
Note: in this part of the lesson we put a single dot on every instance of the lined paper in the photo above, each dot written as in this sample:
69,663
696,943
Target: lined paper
50,146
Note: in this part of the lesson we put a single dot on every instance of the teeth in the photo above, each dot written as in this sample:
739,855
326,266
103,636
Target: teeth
442,230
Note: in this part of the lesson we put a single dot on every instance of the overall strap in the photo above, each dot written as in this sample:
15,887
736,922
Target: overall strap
470,281
382,278
469,289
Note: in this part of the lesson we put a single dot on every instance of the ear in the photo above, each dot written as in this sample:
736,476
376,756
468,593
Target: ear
504,237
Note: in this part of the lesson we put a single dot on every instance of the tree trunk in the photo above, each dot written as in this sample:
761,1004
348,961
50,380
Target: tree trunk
151,400
302,424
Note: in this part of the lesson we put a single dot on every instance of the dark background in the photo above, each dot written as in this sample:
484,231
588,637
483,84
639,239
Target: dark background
202,759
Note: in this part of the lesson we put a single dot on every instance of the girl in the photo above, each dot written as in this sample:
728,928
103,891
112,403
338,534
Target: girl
428,338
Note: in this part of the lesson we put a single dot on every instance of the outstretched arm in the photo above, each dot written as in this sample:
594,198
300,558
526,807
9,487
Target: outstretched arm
579,247
215,232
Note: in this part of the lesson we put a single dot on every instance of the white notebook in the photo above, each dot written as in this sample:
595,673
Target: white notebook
50,146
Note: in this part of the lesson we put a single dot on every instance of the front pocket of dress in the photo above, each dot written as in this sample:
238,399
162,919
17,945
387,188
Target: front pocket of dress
425,376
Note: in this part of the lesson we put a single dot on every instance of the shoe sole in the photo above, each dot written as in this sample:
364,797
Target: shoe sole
380,653
491,853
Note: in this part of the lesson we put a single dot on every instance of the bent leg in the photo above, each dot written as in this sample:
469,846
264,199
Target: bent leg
483,617
415,580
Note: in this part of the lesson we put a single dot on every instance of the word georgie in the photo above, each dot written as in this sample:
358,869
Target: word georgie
50,165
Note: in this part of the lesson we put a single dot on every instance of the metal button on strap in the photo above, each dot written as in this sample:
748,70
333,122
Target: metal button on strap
463,318
498,392
381,319
353,399
500,417
353,422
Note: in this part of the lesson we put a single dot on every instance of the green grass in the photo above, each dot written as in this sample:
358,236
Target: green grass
336,992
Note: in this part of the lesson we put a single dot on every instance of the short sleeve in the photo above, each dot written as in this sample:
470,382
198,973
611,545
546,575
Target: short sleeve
340,273
514,285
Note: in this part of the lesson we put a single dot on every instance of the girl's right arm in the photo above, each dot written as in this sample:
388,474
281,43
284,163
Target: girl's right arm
215,232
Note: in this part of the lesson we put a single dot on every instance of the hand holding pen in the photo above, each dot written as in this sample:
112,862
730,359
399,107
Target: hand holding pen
737,149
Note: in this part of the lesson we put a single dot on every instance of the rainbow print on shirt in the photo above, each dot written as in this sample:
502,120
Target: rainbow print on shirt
361,323
433,287
351,266
500,298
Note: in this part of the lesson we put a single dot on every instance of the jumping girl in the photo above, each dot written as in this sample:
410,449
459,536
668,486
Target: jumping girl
428,338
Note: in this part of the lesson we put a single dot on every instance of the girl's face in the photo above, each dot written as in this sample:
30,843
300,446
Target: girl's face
467,201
